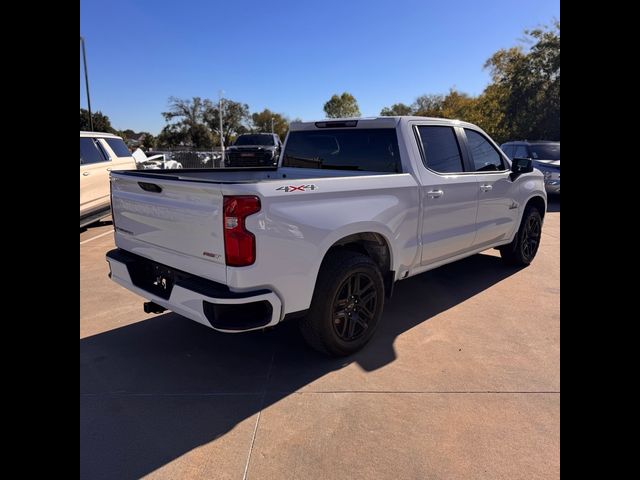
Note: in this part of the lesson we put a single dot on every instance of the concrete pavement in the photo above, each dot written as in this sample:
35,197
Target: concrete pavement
462,380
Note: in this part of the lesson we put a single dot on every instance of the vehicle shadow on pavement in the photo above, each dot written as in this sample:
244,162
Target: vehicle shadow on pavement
155,390
99,223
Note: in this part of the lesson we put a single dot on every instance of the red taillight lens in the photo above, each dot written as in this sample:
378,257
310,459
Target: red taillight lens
239,243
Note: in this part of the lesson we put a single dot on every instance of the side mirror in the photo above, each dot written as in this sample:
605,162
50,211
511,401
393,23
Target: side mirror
521,165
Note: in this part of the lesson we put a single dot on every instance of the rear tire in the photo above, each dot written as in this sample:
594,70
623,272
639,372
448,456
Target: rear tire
522,250
347,304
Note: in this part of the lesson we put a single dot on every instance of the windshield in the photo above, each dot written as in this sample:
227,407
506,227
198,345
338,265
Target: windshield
548,151
266,140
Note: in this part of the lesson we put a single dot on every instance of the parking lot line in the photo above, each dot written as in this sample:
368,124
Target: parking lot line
97,236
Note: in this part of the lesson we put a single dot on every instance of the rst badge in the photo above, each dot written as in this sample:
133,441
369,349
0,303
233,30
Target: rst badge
299,188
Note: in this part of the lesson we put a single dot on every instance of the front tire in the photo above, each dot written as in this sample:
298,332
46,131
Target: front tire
347,304
522,250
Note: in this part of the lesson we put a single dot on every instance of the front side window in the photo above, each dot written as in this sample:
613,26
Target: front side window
118,147
485,158
441,150
90,153
370,149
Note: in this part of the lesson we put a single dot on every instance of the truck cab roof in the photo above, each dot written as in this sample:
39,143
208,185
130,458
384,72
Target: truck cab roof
372,122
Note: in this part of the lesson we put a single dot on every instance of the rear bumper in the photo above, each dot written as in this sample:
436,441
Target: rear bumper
204,301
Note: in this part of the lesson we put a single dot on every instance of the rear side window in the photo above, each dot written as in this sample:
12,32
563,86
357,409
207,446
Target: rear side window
118,147
441,150
485,157
90,152
372,149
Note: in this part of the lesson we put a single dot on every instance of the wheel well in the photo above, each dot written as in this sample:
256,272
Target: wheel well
539,203
374,246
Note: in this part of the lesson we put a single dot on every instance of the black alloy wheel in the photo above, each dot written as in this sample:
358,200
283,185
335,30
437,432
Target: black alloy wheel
354,306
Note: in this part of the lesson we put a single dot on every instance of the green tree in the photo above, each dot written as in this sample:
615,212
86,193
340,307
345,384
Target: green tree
528,85
191,121
172,135
490,113
149,141
101,122
342,106
457,105
262,122
428,105
396,109
235,118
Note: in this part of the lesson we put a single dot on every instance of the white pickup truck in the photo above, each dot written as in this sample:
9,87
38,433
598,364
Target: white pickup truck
354,206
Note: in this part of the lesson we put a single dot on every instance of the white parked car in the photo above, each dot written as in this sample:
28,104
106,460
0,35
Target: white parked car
354,206
154,162
99,154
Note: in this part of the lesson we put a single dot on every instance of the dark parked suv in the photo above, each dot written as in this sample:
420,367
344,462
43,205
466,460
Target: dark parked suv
545,156
254,150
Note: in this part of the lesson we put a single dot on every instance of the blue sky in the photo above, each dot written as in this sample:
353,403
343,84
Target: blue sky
291,56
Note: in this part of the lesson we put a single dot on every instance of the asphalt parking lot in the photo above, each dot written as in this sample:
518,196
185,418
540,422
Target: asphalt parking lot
462,380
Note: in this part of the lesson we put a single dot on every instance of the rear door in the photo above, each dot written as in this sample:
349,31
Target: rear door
94,177
174,222
449,195
497,209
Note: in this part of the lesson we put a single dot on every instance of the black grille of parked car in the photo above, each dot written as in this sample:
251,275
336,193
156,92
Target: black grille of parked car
249,158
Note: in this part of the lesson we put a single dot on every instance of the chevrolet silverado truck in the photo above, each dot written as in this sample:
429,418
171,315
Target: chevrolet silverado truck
354,206
254,150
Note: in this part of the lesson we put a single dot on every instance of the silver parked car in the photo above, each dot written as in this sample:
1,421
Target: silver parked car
545,156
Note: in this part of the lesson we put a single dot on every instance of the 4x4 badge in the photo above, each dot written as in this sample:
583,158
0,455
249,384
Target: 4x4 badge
299,188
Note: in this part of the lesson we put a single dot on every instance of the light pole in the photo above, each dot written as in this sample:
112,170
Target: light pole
271,123
220,93
86,81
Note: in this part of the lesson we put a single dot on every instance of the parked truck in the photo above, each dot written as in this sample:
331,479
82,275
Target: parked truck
254,150
354,206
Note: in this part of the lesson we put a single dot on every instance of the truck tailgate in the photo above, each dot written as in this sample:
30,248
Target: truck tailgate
176,223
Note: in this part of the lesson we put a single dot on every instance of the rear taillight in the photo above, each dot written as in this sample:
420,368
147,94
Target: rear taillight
239,243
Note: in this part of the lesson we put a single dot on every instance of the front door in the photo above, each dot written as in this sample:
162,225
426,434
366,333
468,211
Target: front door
497,211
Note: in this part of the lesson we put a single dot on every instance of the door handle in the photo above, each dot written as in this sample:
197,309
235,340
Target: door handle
109,169
85,173
486,188
435,193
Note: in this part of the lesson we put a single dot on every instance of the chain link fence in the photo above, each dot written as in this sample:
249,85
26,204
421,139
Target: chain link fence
192,158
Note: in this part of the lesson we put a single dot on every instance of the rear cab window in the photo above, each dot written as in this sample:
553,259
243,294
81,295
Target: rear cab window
364,149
